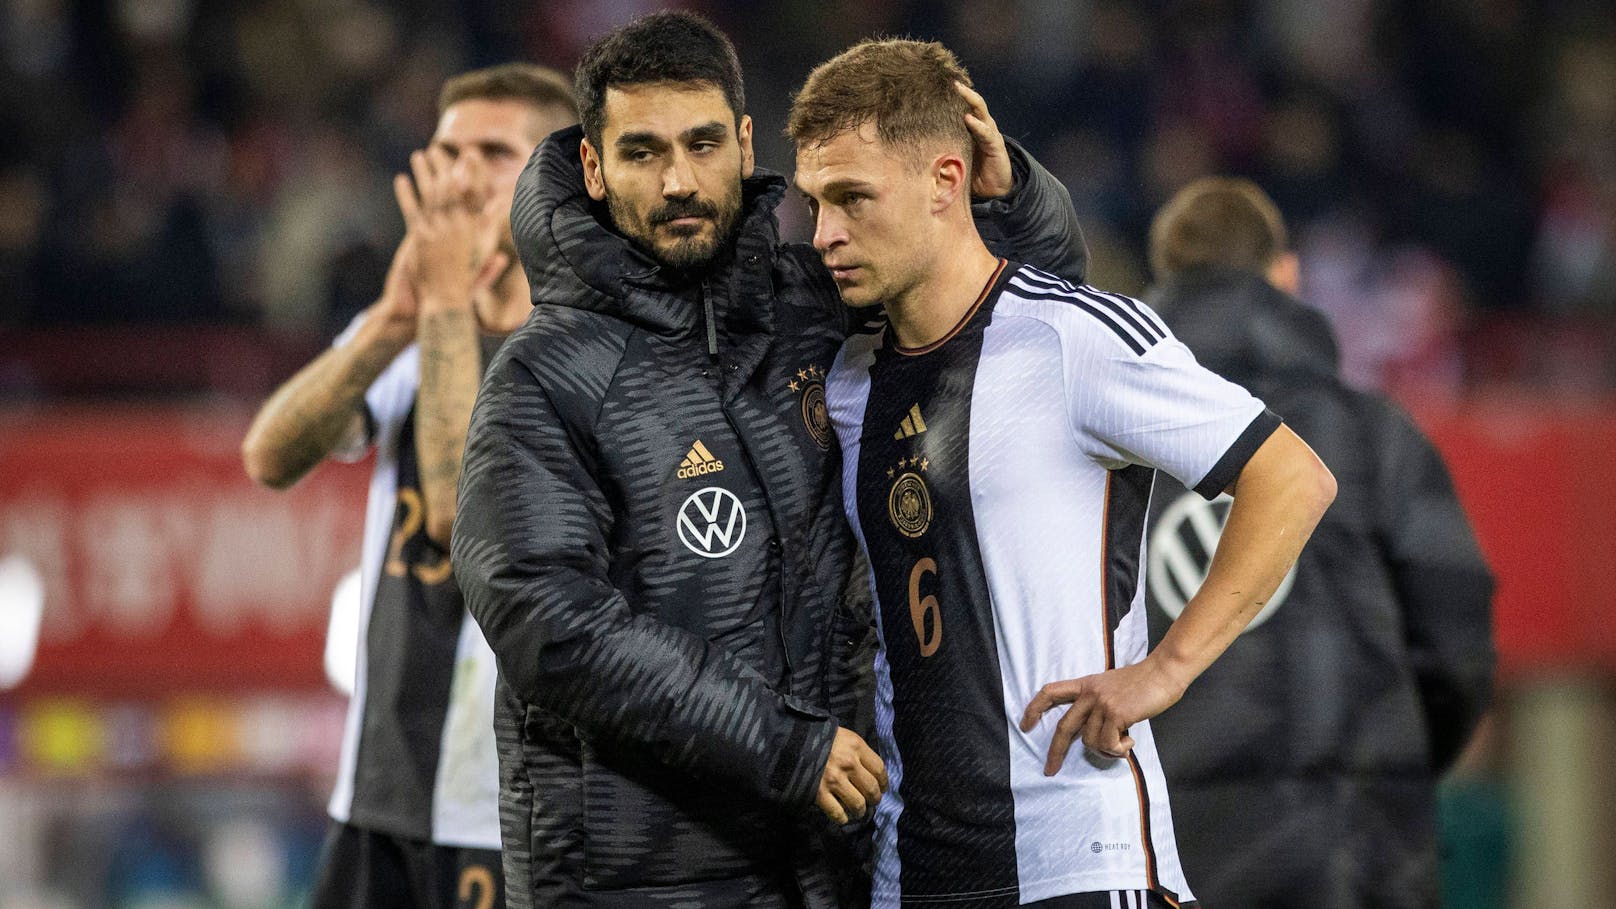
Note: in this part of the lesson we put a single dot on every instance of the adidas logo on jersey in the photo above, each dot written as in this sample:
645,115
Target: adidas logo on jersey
698,462
912,425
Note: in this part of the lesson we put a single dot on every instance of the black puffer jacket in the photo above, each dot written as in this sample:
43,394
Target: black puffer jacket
650,536
1302,764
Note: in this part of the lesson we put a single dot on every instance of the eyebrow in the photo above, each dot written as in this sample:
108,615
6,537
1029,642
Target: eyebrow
486,145
837,186
709,131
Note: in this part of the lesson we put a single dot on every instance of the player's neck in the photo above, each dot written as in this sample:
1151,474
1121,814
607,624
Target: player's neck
504,307
932,308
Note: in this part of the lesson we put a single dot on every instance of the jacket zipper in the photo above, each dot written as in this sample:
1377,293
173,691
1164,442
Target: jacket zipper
711,322
779,549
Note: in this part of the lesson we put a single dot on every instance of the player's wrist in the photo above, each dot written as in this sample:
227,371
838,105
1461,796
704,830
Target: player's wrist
1173,668
445,300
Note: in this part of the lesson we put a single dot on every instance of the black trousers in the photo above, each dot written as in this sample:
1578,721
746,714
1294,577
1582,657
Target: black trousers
364,869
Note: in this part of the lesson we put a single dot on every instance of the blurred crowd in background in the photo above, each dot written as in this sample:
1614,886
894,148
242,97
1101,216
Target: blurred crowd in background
194,198
1446,164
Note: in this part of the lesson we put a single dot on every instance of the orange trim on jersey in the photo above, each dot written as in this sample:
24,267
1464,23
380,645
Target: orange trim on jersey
958,326
1144,823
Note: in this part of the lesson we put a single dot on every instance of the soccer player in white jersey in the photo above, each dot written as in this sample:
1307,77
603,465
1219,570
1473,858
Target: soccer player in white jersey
415,810
999,437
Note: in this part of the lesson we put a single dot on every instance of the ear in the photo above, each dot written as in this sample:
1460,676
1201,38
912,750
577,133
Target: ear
1285,273
594,178
744,134
950,180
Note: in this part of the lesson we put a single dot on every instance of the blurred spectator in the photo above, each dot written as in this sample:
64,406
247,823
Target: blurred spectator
171,161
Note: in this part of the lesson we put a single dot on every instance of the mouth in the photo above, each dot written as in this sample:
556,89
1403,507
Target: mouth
843,272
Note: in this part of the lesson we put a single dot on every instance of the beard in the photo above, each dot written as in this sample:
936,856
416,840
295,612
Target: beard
684,249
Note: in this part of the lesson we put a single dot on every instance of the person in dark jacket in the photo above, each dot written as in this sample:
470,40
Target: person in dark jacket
649,529
1304,764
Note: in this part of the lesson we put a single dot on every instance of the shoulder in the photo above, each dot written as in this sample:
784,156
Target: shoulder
1081,314
572,354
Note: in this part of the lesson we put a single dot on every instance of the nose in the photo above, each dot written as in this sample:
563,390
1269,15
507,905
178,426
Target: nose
679,179
829,231
471,173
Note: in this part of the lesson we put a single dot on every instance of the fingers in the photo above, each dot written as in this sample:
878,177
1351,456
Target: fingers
853,780
875,766
977,118
1068,729
408,203
829,805
493,266
844,798
1095,738
426,179
1047,697
846,791
978,104
1094,718
869,786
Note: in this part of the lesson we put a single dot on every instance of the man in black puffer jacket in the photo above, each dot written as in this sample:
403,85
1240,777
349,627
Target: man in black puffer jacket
1304,763
650,530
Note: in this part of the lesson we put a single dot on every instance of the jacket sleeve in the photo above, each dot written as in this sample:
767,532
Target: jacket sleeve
531,551
1035,223
1443,583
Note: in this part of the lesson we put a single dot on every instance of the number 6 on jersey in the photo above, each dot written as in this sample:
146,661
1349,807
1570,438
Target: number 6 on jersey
920,608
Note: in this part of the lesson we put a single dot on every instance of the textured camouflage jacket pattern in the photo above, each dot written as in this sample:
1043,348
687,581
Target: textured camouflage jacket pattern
650,535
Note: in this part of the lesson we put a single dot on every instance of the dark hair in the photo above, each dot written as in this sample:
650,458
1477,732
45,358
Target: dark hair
1223,221
661,47
538,86
905,88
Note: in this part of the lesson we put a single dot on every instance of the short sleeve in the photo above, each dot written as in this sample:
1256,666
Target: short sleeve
1143,399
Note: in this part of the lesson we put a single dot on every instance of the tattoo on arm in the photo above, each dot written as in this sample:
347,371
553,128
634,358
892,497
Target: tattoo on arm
451,370
306,418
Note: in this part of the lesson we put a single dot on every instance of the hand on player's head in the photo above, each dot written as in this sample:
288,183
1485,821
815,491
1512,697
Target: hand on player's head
992,175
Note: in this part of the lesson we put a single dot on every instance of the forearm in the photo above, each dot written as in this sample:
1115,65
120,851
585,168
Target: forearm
308,416
1280,496
450,372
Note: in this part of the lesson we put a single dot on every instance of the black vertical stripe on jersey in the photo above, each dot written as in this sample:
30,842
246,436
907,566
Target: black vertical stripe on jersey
1127,503
410,648
956,833
1126,506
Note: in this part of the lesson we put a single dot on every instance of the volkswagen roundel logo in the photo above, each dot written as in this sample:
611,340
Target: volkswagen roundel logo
712,522
1181,550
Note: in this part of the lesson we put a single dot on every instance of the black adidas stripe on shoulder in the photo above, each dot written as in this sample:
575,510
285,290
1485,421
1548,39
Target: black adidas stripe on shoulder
1131,322
1137,313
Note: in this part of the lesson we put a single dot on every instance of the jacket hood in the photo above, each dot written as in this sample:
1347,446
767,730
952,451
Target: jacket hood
573,256
1242,327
